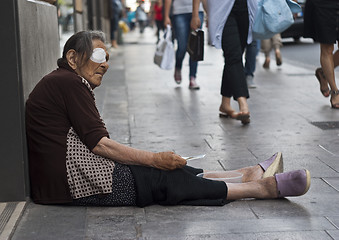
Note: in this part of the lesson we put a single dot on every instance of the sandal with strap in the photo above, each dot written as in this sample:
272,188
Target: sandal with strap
319,73
334,105
227,113
244,117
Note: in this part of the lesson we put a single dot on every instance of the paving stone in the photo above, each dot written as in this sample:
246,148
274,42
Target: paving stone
319,201
167,214
302,235
111,227
51,222
334,219
333,182
181,229
334,234
143,107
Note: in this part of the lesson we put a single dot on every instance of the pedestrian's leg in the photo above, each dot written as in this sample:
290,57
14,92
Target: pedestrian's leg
226,83
250,62
180,28
276,42
266,47
241,94
250,58
114,27
193,64
336,58
243,110
225,109
234,84
327,64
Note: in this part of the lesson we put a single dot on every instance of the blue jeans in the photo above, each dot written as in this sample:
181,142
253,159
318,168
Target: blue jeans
250,57
114,24
182,29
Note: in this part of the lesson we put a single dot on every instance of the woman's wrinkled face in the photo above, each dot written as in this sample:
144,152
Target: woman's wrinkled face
95,68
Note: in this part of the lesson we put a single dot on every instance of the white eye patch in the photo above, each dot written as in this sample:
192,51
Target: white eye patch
98,55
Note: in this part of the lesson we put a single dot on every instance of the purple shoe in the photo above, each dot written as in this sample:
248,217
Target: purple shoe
272,165
294,183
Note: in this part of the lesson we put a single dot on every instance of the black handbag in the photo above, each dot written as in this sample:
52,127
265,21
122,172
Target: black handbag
195,45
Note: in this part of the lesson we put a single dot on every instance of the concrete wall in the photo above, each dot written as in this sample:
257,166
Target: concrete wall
30,37
99,18
29,33
105,19
39,40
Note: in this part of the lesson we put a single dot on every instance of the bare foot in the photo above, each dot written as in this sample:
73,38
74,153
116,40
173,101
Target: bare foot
335,100
278,58
244,114
319,73
266,64
114,44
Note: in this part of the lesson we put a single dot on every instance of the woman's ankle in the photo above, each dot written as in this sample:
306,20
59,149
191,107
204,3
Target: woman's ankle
243,106
252,173
225,104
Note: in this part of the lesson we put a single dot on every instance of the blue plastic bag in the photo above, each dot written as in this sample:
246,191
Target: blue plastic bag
273,16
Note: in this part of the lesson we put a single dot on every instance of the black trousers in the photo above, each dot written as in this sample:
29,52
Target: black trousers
177,187
234,40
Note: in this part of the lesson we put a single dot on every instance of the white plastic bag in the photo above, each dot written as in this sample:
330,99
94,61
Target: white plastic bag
164,54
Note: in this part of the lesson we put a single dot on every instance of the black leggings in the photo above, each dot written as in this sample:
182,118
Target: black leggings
143,186
177,187
234,40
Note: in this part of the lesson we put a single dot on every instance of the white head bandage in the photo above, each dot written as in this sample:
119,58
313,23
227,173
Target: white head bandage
98,55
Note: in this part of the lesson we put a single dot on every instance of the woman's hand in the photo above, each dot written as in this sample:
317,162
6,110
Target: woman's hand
167,21
127,155
195,22
168,161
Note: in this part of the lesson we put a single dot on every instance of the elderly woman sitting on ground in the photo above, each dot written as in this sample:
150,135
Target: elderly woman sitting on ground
72,160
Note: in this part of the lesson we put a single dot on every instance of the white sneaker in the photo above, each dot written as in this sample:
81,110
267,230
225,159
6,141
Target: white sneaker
250,82
193,84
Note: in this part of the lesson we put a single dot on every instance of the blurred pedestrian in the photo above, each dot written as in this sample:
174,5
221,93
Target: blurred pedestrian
66,12
141,16
321,22
180,20
267,45
72,159
158,17
130,15
251,53
230,24
116,11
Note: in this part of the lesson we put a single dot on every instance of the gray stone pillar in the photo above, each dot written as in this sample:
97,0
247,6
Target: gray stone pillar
30,48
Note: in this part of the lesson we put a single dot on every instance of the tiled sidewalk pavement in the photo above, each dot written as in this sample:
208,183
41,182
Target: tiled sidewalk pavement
10,213
143,107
